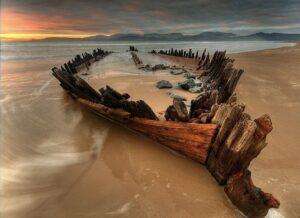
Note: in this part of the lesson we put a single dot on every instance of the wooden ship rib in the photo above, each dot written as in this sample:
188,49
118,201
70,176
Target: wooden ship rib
215,132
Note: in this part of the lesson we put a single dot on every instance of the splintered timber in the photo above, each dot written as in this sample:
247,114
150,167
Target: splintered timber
216,131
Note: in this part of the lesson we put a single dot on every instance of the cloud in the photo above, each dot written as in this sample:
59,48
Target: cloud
113,16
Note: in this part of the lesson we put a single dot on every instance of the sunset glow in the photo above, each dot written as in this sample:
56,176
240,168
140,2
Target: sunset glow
20,26
32,19
29,36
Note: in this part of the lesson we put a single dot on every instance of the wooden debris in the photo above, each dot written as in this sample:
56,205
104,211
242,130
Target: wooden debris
220,74
177,53
137,61
238,142
215,132
217,72
203,102
190,139
181,110
177,111
76,86
113,99
139,109
252,201
132,48
239,139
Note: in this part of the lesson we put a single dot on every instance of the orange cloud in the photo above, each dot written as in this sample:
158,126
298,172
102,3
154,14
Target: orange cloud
13,21
17,25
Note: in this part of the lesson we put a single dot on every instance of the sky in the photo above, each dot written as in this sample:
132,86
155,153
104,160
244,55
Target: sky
26,19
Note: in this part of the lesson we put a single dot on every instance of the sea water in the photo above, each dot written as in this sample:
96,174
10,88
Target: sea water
66,50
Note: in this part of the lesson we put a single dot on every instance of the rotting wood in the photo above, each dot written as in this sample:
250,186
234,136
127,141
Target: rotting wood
177,112
137,61
178,53
247,197
217,72
215,132
192,140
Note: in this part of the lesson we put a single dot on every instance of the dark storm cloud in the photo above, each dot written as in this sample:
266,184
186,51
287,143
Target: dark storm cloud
111,16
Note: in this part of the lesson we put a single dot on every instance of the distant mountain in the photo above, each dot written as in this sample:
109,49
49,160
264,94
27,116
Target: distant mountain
137,37
273,36
96,38
212,36
204,36
168,36
56,39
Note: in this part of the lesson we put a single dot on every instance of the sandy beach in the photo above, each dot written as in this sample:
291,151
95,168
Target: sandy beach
64,161
271,84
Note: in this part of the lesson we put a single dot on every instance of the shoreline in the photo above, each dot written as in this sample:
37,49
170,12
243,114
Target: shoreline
124,44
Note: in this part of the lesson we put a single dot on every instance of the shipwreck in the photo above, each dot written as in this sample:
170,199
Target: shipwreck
215,131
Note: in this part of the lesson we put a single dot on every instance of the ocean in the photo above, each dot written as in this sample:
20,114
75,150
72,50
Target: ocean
66,50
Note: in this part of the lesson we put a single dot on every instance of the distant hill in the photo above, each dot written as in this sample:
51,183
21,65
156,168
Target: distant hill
204,36
137,37
55,39
272,36
212,36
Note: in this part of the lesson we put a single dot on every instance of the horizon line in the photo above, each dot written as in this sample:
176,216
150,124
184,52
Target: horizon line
16,37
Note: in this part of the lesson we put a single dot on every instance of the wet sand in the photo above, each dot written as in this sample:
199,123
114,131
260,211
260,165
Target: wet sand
60,160
271,84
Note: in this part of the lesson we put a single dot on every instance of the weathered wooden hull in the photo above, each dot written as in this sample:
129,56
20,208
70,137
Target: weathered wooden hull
190,139
215,132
